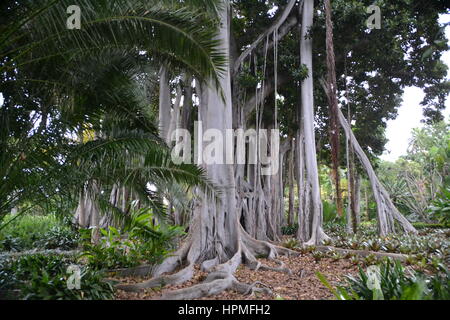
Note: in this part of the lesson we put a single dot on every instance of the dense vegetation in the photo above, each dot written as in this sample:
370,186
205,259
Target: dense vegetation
89,186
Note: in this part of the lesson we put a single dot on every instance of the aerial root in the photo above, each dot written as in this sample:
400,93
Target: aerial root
251,289
282,268
363,253
182,276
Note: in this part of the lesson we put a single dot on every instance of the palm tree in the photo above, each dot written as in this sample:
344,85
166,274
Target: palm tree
56,81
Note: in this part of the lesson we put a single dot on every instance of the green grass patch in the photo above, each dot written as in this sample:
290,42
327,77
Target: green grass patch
36,231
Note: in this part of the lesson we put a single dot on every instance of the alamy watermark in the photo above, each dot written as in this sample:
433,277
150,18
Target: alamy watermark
213,146
374,21
74,280
373,278
74,20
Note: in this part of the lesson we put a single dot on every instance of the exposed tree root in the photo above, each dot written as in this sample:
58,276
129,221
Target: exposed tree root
364,253
317,237
220,277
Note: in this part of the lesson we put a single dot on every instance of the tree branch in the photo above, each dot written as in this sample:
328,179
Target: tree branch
281,33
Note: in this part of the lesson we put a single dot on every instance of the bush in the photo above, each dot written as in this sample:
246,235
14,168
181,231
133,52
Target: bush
58,238
329,211
140,241
440,208
394,284
423,225
291,243
45,277
289,230
42,232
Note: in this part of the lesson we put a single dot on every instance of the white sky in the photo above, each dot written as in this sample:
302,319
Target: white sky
410,113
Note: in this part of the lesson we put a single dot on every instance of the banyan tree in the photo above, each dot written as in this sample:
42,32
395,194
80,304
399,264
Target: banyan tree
243,219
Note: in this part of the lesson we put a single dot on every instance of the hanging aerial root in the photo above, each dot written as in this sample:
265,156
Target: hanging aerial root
221,276
185,253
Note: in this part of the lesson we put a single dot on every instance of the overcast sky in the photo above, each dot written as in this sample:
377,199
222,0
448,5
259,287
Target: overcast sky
410,114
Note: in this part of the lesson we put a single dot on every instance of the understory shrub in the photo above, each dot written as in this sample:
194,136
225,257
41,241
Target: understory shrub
289,230
59,238
37,232
440,207
394,283
140,242
45,277
329,211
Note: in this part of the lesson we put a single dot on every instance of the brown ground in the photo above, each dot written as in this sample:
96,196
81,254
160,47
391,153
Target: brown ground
303,284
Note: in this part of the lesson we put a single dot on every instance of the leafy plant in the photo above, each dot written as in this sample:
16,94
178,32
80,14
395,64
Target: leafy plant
289,230
141,240
329,211
45,277
440,207
393,283
318,255
37,231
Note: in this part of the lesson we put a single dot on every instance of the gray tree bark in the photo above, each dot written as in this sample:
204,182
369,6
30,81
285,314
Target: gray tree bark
216,238
317,234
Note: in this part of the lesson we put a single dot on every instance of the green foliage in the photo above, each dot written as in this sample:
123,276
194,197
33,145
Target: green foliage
394,283
440,207
414,180
58,82
289,230
44,277
291,243
318,255
247,79
329,211
41,232
300,74
140,241
427,250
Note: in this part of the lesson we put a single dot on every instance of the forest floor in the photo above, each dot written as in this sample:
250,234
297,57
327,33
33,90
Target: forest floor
302,284
429,247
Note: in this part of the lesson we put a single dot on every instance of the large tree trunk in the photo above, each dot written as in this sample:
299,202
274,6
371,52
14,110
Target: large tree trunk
185,122
216,239
175,115
303,215
87,213
366,198
317,234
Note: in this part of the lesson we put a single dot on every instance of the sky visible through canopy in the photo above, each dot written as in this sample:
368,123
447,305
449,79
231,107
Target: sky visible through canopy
410,113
